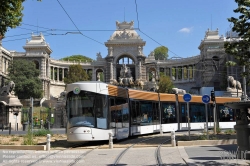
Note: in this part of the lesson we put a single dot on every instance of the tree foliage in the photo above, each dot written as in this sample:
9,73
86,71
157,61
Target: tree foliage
76,73
161,53
77,58
165,84
10,15
241,25
26,79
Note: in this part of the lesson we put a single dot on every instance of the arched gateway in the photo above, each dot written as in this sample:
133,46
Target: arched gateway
125,47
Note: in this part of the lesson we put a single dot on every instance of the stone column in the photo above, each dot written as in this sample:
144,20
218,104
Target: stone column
188,73
111,71
182,73
3,64
176,73
140,69
53,72
170,72
193,68
57,74
49,68
7,65
62,74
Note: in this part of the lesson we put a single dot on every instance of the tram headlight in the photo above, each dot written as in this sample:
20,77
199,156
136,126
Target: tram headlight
87,131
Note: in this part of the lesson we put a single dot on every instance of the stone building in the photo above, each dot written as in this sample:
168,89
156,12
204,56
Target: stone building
125,47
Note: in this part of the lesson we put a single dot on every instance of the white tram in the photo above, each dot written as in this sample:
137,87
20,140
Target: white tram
95,109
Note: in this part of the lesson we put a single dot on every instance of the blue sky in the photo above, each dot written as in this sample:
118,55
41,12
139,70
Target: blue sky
179,25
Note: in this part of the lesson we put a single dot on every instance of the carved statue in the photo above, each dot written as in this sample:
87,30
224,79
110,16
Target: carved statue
233,83
98,77
178,91
8,89
139,50
115,82
153,76
98,55
121,81
152,54
139,83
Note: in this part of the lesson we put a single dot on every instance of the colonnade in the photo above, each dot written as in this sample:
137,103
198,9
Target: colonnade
59,73
180,73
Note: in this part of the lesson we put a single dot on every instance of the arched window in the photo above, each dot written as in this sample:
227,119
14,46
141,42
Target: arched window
130,64
125,60
37,64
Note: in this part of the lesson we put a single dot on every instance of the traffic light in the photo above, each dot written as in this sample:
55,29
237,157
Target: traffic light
212,95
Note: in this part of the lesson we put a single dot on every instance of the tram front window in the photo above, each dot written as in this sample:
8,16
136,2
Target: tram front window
80,109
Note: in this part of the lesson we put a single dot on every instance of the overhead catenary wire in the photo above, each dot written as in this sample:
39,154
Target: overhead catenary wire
75,24
80,31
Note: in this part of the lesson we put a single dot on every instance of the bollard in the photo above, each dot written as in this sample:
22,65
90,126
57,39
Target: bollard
173,138
48,142
110,141
205,128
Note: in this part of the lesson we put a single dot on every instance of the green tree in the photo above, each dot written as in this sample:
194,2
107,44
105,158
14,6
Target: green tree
76,73
165,84
161,53
241,25
10,15
26,79
77,58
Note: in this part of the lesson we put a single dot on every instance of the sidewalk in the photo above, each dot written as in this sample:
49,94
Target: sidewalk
211,155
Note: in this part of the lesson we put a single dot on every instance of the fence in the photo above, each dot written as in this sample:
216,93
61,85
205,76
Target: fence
42,116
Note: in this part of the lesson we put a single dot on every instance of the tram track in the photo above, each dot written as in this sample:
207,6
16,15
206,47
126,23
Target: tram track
157,151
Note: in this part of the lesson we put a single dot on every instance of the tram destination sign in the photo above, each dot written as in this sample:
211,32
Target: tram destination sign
187,97
205,99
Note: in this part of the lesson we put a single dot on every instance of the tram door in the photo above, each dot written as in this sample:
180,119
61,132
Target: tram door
183,117
120,118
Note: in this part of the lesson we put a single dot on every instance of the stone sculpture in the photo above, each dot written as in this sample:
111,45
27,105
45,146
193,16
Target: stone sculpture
178,91
233,84
98,77
8,89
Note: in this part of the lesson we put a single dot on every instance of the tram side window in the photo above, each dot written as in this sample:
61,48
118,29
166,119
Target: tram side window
146,112
101,105
112,109
169,113
226,114
119,112
197,113
135,113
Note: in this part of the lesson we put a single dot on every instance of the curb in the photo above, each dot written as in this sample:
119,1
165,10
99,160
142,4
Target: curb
206,142
24,147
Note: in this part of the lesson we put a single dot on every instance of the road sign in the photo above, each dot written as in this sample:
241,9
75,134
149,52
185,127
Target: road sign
205,99
187,97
